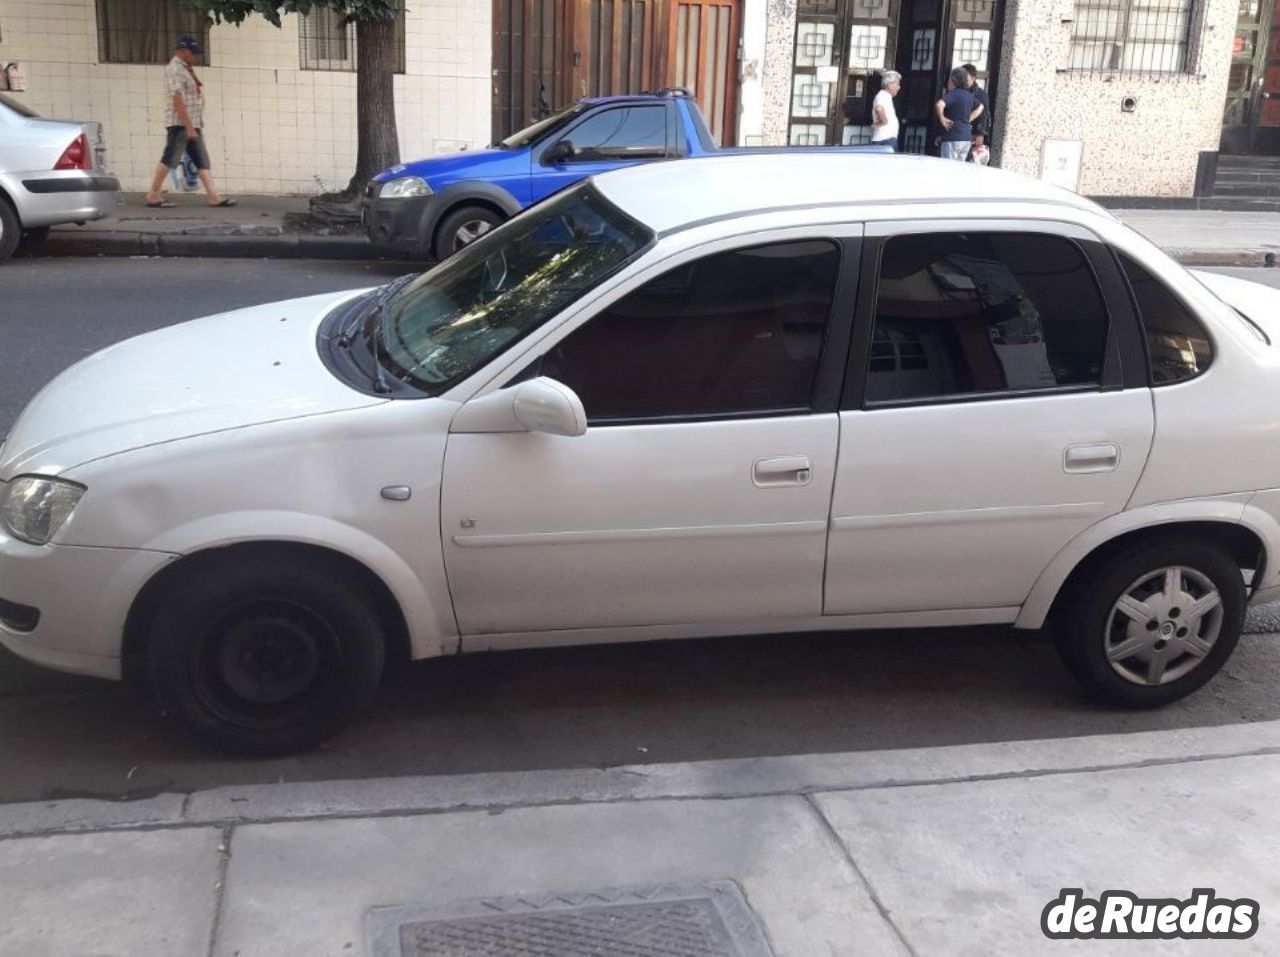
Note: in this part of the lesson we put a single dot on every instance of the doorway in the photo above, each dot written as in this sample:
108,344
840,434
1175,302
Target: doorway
1251,120
547,54
844,46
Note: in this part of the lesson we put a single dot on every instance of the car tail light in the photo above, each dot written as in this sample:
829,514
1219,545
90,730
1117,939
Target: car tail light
76,156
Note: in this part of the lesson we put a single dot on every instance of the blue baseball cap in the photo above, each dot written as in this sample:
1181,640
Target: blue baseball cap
190,43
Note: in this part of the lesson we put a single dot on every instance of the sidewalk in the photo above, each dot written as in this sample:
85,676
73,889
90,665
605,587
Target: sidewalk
938,851
279,226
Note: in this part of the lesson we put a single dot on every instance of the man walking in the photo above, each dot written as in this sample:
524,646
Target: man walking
982,124
956,111
184,122
884,118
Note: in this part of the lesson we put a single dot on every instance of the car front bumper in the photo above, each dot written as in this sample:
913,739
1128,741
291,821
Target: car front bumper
50,197
398,225
82,597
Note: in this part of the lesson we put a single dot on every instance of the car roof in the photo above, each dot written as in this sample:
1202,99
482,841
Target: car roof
675,195
634,97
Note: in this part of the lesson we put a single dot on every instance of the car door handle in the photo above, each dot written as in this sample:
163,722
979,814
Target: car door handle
1097,457
782,470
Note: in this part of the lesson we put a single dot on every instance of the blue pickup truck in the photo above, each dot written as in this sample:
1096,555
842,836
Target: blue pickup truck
431,208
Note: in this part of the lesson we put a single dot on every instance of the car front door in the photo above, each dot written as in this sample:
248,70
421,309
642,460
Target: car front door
606,140
986,420
701,489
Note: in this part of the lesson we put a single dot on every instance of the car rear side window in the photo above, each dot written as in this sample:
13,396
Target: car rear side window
1178,347
736,332
984,313
626,132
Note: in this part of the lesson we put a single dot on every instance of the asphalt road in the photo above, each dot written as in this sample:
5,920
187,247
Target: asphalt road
63,736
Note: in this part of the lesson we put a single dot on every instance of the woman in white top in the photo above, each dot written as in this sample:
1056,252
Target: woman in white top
884,118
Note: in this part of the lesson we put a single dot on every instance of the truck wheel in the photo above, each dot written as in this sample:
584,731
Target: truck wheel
10,229
464,226
1154,623
260,656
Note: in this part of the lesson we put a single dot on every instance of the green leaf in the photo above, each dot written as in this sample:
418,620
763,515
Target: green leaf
237,11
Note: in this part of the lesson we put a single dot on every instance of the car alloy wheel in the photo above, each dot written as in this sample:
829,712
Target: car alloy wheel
1163,626
469,232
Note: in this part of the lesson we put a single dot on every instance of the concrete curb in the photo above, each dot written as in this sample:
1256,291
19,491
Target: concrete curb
291,246
294,246
753,777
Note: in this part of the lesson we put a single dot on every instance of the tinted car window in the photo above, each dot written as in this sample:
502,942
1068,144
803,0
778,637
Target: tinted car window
1177,346
961,313
736,332
626,131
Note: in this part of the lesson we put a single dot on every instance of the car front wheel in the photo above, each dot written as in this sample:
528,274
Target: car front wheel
1154,623
261,656
463,227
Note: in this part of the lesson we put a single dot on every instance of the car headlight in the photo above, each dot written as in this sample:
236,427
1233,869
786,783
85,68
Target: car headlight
34,507
404,187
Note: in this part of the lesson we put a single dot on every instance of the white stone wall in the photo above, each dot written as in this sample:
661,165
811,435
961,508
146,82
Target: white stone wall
270,126
1151,151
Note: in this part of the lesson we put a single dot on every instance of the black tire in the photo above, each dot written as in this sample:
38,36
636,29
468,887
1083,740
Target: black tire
263,656
448,240
1085,628
10,229
32,238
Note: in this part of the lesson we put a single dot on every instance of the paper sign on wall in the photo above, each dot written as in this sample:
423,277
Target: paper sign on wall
1060,163
828,74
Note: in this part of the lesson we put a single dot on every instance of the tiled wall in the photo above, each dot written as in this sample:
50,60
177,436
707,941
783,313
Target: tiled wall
271,127
1151,151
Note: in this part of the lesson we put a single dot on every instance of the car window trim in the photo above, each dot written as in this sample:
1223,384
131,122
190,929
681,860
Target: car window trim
880,232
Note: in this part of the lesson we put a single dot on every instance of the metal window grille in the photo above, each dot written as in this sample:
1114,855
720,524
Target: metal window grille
1132,36
326,43
147,31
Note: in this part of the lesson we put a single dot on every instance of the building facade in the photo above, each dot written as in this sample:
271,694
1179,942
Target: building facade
280,102
1109,97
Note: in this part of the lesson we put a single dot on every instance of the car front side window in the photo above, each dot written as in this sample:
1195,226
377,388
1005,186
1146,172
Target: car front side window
983,313
627,132
737,332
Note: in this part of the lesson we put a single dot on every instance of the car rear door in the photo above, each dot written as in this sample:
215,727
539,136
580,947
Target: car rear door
701,490
604,140
987,417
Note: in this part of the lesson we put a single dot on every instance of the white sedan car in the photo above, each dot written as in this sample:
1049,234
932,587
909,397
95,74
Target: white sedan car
761,393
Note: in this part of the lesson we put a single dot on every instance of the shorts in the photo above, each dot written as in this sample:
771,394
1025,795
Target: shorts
176,143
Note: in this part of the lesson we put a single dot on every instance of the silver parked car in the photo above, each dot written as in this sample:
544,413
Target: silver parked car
51,172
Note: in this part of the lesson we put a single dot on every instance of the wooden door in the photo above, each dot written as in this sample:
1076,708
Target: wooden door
703,58
532,48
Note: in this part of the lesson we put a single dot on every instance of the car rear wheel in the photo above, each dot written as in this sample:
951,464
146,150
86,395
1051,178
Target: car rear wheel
262,657
464,226
10,229
1154,623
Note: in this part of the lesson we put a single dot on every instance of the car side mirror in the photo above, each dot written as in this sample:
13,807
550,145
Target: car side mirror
561,152
539,405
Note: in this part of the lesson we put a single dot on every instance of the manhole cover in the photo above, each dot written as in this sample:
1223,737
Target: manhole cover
665,920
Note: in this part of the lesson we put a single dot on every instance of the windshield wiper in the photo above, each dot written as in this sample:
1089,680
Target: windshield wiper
381,324
375,306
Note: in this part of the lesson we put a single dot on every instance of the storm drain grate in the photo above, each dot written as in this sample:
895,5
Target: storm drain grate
665,920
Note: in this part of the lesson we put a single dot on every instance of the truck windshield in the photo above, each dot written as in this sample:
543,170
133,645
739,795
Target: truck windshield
460,315
550,124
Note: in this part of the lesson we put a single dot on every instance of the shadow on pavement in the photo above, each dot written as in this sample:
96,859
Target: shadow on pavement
63,736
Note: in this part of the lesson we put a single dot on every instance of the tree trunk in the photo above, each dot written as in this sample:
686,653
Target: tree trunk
377,141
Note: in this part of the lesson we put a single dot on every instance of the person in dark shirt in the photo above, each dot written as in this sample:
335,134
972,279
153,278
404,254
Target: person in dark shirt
956,111
982,124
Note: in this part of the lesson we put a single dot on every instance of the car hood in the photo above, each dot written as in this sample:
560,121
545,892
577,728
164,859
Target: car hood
470,162
223,372
1260,303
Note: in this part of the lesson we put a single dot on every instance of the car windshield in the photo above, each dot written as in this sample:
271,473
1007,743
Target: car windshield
539,129
18,107
455,318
